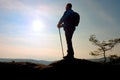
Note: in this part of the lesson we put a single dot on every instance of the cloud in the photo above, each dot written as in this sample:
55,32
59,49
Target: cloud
12,5
23,47
43,40
26,8
106,16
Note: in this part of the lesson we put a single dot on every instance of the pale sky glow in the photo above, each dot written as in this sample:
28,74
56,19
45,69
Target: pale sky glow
28,27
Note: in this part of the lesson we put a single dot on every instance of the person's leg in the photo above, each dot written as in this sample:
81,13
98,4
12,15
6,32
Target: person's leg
69,35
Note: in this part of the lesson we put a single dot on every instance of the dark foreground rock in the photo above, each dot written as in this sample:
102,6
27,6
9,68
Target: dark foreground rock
74,69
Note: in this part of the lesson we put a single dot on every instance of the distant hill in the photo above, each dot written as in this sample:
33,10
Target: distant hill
26,60
74,69
99,60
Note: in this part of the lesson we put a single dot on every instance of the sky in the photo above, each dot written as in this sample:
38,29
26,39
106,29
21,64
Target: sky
28,28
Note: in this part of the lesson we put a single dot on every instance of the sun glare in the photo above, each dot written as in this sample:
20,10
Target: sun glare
37,25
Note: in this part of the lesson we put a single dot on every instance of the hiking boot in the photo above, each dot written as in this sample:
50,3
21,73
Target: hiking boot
68,57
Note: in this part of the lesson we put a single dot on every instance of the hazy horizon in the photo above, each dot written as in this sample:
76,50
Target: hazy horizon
28,27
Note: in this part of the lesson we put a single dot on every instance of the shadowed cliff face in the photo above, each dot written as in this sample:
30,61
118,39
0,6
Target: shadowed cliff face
59,70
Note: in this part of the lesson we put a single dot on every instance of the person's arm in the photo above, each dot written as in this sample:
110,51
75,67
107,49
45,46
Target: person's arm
61,21
63,18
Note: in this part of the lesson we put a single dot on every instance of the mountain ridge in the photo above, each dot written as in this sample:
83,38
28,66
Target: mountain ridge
25,60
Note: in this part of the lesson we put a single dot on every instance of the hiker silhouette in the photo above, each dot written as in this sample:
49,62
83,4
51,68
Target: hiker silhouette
66,22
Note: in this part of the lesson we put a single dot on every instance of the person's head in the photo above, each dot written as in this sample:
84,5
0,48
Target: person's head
68,6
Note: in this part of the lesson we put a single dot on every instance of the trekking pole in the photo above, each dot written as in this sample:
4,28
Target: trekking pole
61,42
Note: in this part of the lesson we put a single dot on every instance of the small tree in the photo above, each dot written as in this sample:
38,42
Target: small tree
113,57
103,46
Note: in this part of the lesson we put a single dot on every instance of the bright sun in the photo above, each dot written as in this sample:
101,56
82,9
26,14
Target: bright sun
37,25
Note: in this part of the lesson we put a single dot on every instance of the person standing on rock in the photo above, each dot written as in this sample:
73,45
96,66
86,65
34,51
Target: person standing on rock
69,25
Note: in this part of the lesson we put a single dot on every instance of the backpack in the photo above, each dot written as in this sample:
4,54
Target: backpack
75,19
